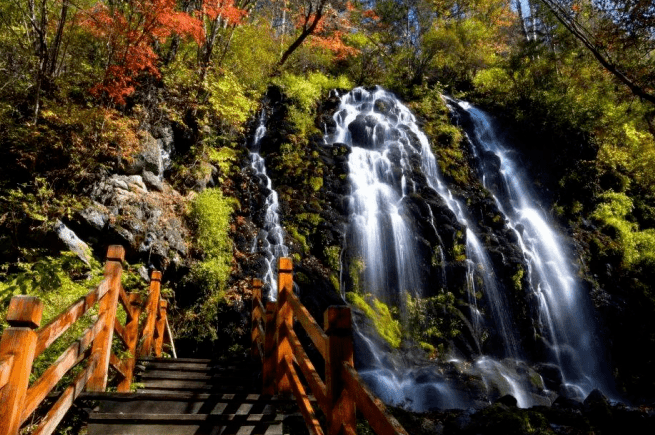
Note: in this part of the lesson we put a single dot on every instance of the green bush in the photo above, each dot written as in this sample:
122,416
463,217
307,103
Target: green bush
57,282
615,214
211,213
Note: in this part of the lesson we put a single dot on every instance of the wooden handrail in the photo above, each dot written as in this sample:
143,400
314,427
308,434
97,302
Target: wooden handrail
341,391
22,342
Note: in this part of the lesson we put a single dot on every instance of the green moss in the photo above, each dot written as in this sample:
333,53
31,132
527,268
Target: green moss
333,256
211,213
293,232
313,219
225,158
305,92
517,278
433,321
459,251
316,183
301,278
334,280
355,271
379,313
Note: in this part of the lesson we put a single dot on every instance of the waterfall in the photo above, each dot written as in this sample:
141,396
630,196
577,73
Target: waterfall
564,315
270,240
384,139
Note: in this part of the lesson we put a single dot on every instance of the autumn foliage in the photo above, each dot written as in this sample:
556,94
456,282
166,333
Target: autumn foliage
330,31
130,32
226,9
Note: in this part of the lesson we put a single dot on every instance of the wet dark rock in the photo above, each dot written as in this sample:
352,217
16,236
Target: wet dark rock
551,374
383,106
362,131
567,403
507,400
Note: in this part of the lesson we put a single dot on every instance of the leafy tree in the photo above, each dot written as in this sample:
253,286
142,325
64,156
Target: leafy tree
620,34
325,20
130,30
220,18
35,40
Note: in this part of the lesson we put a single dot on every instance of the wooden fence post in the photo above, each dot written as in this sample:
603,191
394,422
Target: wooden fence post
268,365
255,318
160,328
132,339
107,314
284,319
152,310
18,344
338,328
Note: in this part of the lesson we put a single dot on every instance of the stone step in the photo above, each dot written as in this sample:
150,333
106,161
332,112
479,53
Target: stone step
217,385
184,424
201,375
181,403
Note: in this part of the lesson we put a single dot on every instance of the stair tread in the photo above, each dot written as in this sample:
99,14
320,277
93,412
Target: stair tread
175,374
182,396
178,360
192,384
187,396
104,416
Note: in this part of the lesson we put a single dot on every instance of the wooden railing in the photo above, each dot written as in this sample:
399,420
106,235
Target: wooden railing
341,391
22,342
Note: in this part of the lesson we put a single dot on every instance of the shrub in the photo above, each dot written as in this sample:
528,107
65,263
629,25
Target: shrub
211,212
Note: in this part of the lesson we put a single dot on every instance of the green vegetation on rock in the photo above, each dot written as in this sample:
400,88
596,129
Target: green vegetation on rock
433,321
211,212
383,320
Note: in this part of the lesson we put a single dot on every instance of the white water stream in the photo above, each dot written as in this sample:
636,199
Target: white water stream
270,240
564,316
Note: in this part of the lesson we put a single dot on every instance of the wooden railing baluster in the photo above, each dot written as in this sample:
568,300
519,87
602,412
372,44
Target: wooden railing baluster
283,316
269,359
160,328
152,306
256,317
338,328
132,339
101,348
18,341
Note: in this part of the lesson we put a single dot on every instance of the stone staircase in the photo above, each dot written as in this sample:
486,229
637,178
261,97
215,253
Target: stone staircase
193,396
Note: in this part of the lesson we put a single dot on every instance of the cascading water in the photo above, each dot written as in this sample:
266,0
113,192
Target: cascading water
384,140
270,240
565,322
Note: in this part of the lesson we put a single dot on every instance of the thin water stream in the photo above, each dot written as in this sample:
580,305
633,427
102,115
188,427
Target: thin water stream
270,240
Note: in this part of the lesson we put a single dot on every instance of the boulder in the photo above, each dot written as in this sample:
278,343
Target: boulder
73,242
152,181
149,158
147,223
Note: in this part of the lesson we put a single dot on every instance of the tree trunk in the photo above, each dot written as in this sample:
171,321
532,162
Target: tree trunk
307,30
603,59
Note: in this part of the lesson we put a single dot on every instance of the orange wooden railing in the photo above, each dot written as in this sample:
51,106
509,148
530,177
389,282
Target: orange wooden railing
23,341
341,391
